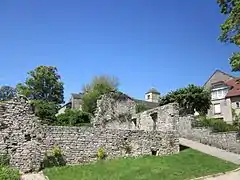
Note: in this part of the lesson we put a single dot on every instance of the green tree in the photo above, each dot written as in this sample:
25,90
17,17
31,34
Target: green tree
7,93
97,87
141,107
43,84
45,111
73,118
45,90
230,29
189,99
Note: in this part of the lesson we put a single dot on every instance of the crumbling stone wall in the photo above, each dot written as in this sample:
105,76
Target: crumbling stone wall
26,140
114,110
117,111
21,135
224,140
163,118
80,144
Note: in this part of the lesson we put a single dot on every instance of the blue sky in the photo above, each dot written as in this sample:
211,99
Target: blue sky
145,43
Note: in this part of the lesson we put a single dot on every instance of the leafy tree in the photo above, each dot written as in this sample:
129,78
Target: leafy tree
92,91
43,84
7,93
141,107
189,99
230,29
73,118
45,111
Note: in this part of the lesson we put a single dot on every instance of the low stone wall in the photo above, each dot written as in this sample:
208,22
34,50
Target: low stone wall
26,140
80,144
225,140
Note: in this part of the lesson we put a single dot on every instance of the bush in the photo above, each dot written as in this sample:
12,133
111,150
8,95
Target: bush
4,160
216,125
101,154
7,173
73,118
45,111
54,158
141,107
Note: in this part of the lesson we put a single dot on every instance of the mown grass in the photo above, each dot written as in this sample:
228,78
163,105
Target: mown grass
185,165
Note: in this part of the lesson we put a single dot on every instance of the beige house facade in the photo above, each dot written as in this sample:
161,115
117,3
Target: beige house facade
225,95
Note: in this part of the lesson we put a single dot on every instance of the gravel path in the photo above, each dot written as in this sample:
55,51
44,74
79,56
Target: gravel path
219,153
38,176
228,176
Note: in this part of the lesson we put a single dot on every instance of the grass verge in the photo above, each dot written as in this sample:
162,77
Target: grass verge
185,165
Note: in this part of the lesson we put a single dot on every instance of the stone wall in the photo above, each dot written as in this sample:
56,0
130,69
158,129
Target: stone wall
80,144
114,110
26,140
227,140
163,118
21,136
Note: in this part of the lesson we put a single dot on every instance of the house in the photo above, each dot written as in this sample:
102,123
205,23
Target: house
151,101
225,95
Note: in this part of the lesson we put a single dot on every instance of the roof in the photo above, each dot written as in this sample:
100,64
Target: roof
77,95
234,87
152,90
215,73
149,105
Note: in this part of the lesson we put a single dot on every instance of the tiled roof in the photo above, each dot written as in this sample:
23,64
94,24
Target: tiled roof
234,87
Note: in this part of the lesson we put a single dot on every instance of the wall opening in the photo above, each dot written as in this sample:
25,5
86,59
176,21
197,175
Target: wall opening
134,120
154,117
154,152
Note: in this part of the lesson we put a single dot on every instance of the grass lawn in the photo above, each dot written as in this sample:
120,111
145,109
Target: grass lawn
187,164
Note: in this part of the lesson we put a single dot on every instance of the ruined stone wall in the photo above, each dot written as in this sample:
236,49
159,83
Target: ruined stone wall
114,110
80,144
21,136
26,140
223,140
163,118
117,111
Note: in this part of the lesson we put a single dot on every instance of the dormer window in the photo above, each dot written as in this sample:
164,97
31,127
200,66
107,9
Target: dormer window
219,93
148,96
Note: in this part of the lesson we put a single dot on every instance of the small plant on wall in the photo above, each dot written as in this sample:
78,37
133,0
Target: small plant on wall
101,154
53,158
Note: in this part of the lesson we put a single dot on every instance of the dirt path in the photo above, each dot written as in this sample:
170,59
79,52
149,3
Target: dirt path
38,176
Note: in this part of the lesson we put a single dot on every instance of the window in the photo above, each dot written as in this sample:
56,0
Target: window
237,105
217,109
219,93
148,96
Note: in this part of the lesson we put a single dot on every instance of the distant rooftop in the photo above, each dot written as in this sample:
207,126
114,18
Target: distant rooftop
153,90
77,95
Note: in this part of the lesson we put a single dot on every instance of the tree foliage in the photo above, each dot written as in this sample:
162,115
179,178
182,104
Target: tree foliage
189,99
141,107
230,29
43,84
45,111
7,93
73,118
97,87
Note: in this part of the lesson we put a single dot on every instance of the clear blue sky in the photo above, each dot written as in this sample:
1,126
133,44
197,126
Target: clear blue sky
145,43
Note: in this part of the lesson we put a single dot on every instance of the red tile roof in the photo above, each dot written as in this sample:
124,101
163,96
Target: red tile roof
234,87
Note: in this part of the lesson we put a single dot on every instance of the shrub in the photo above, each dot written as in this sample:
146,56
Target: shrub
7,173
101,154
73,118
216,125
4,160
54,158
141,107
